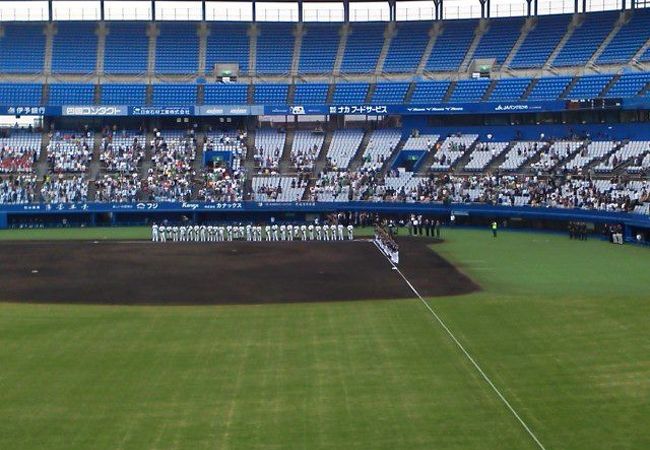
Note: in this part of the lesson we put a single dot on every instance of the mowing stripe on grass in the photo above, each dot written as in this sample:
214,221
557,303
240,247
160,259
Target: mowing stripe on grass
465,352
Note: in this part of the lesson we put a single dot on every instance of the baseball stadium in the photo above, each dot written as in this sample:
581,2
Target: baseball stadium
332,224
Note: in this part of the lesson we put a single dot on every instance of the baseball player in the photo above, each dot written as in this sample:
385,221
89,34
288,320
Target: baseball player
290,232
229,233
340,230
162,231
326,232
319,233
175,234
283,232
154,233
197,233
311,232
221,234
303,232
249,232
350,232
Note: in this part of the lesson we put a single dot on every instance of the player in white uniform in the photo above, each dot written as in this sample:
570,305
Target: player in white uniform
203,233
222,235
162,231
229,233
183,233
154,233
340,230
290,232
319,232
267,232
249,232
326,232
276,235
350,232
311,232
303,232
283,232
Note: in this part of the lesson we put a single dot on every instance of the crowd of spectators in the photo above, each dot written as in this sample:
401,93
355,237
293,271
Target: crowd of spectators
62,189
17,159
18,189
172,173
121,151
118,188
222,184
69,152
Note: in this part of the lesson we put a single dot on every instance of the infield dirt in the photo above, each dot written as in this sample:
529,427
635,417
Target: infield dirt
145,273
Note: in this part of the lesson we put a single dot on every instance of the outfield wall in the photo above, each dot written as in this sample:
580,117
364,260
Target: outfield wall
114,214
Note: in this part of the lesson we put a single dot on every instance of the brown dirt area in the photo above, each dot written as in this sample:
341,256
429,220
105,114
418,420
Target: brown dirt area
145,273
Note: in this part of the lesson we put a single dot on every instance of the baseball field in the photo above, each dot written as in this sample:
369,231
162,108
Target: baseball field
547,346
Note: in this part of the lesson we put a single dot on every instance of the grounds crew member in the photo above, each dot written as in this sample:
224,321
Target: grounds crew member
494,229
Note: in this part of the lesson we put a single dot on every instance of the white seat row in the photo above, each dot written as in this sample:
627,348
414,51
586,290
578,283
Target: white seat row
484,153
520,153
344,146
595,150
380,147
277,188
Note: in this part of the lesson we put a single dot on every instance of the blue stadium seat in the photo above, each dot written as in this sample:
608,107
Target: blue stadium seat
549,88
499,39
271,94
308,93
541,41
589,87
430,92
389,93
220,93
450,48
350,93
407,46
74,49
123,94
363,48
319,47
71,94
131,36
509,89
628,40
228,43
19,94
469,90
22,48
629,85
585,39
275,48
174,94
177,48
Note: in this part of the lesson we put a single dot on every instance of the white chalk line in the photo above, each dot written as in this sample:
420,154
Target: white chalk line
467,355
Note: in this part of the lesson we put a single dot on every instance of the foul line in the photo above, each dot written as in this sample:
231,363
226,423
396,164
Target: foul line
466,353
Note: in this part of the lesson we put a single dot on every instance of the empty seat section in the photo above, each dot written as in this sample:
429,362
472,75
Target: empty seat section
364,45
389,93
350,93
71,94
549,88
123,94
499,39
509,89
177,48
430,91
22,48
308,93
586,39
407,46
74,49
228,43
273,94
541,41
629,39
225,93
469,90
174,95
320,44
451,46
275,48
126,49
18,94
629,85
589,87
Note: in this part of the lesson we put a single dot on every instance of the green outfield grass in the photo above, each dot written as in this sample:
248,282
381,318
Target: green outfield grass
561,327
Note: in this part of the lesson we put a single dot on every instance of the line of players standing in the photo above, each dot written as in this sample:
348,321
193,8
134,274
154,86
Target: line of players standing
253,233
